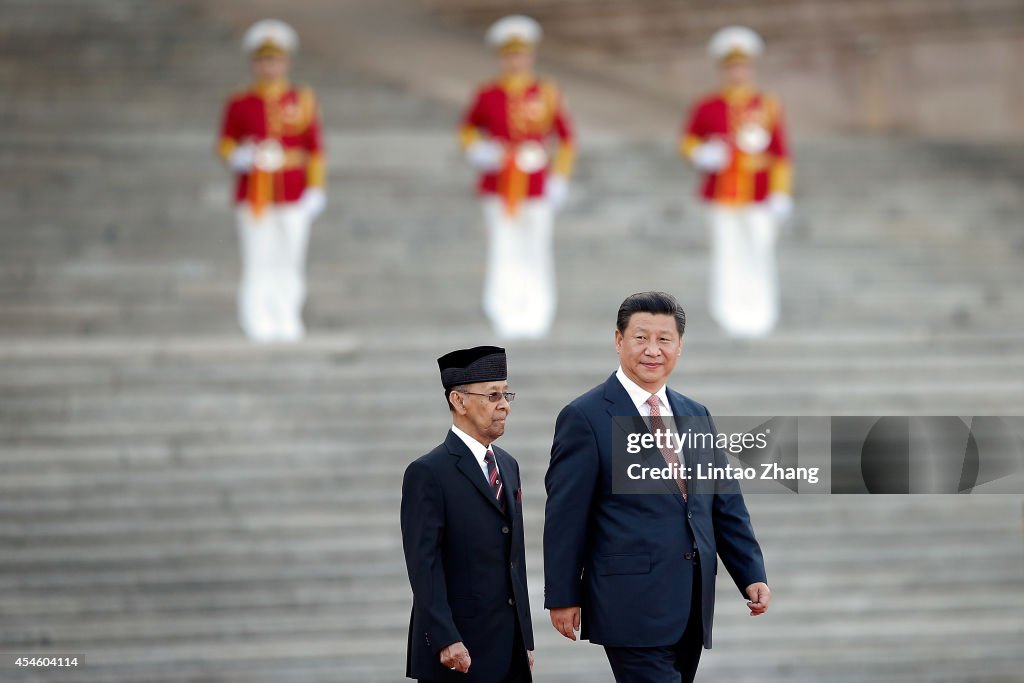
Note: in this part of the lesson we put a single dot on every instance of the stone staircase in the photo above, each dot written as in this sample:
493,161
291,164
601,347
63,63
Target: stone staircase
943,68
623,26
177,505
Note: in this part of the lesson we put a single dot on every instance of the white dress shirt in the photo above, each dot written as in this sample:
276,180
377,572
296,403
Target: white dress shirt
639,395
478,449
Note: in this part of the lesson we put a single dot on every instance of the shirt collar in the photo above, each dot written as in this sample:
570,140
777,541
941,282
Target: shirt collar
639,395
478,449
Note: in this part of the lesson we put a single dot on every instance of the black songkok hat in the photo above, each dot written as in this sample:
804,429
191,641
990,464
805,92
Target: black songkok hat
467,366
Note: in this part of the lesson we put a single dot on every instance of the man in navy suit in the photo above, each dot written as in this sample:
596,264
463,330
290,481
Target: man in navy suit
641,567
462,530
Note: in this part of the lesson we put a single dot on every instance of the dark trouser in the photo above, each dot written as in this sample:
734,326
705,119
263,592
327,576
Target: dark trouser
670,664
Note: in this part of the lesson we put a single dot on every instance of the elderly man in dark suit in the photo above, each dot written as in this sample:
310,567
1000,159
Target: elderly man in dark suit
638,571
462,529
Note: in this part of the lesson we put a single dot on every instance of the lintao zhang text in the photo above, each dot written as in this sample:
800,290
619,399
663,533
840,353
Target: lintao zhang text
769,471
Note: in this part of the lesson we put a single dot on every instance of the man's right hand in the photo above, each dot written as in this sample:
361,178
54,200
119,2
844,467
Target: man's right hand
456,657
566,621
242,157
711,157
313,201
485,155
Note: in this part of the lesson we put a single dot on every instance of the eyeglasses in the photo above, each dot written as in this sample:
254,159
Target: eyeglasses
494,396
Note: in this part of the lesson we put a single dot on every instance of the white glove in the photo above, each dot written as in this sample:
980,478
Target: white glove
313,201
781,206
241,158
556,189
485,155
711,156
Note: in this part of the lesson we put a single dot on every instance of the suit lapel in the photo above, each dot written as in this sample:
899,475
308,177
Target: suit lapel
675,400
699,423
656,459
621,405
468,465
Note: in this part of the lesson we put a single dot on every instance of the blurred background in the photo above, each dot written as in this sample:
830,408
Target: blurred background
179,505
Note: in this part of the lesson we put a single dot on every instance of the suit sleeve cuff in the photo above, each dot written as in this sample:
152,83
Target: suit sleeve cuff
562,599
440,640
743,588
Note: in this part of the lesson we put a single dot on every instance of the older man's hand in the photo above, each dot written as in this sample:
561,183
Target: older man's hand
760,595
566,621
456,656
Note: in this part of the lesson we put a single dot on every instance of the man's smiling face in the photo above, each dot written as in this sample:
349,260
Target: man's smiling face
649,348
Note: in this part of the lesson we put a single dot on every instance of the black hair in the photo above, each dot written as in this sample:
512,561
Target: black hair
658,303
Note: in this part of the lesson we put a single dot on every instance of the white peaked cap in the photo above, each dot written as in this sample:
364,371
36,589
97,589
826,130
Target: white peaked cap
735,39
514,27
270,31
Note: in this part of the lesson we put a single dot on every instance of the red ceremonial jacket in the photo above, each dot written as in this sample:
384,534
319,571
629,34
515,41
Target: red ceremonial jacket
750,176
285,114
515,110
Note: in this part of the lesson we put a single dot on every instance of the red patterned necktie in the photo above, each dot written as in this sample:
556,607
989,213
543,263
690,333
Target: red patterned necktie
494,479
667,452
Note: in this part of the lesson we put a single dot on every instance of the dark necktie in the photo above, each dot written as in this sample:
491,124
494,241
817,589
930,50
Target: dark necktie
494,479
668,453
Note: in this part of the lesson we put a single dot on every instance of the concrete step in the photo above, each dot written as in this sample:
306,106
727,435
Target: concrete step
183,506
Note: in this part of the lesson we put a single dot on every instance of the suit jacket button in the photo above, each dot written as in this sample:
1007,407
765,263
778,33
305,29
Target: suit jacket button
504,529
511,601
689,515
688,556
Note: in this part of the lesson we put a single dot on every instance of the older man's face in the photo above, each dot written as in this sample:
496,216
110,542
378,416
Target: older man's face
649,348
485,419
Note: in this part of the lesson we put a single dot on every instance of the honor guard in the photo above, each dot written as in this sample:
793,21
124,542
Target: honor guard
736,138
507,136
270,139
